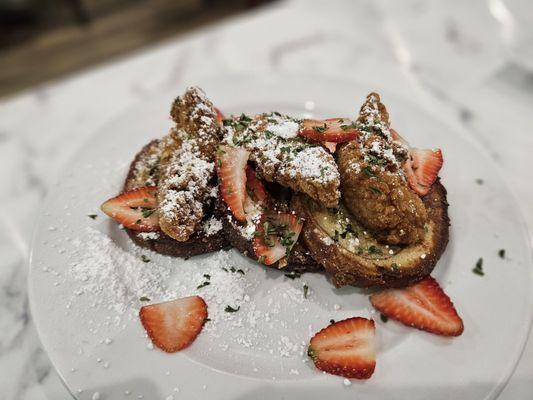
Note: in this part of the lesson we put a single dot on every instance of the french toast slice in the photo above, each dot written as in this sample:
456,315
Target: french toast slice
353,256
143,171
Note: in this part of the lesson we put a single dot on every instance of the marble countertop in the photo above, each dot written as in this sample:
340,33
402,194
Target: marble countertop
464,59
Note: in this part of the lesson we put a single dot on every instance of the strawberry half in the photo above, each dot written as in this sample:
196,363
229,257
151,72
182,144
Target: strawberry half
422,169
255,187
346,348
337,130
173,325
231,170
275,235
136,209
424,306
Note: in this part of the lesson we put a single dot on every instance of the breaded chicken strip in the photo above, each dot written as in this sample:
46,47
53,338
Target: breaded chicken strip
283,157
187,167
374,187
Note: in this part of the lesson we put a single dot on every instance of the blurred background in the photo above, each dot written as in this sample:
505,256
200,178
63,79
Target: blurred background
42,40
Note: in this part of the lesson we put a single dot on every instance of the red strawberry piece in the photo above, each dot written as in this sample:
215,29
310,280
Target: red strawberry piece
136,209
331,146
173,325
231,170
275,235
346,348
422,169
396,136
423,305
255,186
337,130
220,116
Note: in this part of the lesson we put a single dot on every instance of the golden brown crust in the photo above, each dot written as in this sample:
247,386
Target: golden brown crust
143,171
407,266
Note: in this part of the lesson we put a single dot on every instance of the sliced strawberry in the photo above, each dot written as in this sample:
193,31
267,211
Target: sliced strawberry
337,130
396,136
331,146
255,186
424,306
174,325
220,116
136,209
275,235
346,348
422,169
231,170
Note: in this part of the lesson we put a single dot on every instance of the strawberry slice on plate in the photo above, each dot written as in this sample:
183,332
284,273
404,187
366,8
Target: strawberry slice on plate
422,169
136,209
346,348
336,130
231,171
424,306
275,235
173,325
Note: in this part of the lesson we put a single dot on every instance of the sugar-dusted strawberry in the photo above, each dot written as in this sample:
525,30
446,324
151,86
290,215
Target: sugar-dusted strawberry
337,130
423,305
173,325
422,169
346,348
275,235
231,170
255,187
136,209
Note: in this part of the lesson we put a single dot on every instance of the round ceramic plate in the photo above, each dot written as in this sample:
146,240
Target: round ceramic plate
88,281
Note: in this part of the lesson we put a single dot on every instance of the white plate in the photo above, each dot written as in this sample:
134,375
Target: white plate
245,356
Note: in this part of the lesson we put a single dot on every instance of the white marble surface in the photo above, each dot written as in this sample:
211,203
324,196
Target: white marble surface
464,61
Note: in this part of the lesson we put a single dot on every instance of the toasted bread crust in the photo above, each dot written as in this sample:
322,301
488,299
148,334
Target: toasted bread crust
416,261
197,244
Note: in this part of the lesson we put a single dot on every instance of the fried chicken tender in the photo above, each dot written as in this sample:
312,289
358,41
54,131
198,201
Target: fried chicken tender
186,166
373,185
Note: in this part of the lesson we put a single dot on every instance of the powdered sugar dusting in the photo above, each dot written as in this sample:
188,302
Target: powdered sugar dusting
122,282
282,126
115,278
212,226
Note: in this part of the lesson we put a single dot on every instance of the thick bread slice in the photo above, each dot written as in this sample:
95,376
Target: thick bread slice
370,264
143,172
299,260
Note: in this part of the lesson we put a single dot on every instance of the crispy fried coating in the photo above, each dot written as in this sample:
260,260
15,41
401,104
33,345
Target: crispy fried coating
373,185
186,166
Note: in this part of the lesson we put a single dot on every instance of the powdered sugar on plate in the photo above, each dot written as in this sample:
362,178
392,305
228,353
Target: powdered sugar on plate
242,314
